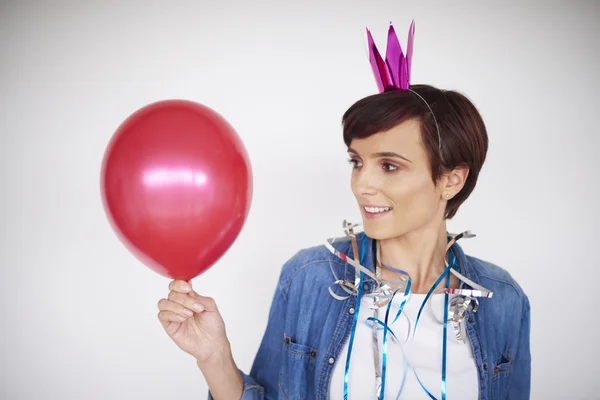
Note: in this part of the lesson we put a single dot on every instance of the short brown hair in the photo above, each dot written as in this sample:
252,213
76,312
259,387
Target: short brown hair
462,130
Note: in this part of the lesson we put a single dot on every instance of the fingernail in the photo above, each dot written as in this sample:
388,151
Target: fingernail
188,312
198,307
184,288
180,318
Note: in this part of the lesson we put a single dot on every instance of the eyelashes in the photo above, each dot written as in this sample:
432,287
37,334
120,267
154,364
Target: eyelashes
353,162
390,167
386,166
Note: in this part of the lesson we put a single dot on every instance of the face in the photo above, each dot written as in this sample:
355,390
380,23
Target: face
391,180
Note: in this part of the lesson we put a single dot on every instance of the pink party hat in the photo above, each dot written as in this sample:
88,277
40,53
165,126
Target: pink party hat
394,73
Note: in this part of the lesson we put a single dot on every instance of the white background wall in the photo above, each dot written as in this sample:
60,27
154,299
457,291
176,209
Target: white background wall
78,314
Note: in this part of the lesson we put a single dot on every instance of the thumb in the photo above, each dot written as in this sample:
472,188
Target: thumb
208,303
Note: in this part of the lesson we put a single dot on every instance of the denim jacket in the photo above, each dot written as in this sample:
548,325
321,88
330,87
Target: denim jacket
307,328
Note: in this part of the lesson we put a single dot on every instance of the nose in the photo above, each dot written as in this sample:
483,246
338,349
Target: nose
364,183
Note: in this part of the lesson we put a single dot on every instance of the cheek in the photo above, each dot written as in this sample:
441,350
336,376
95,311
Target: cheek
410,189
353,182
414,198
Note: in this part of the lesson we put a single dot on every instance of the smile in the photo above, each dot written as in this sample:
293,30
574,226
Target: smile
376,211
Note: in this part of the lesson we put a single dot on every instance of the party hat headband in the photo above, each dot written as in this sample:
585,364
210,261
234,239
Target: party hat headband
394,72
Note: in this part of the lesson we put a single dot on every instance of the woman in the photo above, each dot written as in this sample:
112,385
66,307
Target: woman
398,309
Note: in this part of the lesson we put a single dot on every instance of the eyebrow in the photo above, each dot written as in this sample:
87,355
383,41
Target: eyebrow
382,154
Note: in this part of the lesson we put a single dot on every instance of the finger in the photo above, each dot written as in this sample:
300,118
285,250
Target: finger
180,286
167,305
186,301
208,303
170,316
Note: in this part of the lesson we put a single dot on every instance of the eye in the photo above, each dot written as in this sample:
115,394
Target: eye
355,163
387,167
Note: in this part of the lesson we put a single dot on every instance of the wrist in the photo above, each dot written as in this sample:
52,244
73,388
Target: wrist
221,357
222,374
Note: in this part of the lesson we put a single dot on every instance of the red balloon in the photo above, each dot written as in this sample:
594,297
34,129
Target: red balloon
176,186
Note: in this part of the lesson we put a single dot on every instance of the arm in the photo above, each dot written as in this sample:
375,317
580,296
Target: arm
222,376
262,383
520,383
267,363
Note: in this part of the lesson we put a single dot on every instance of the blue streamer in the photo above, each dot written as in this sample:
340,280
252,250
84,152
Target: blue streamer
445,274
386,328
355,320
445,339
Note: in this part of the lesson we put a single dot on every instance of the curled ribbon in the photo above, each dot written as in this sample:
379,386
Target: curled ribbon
464,301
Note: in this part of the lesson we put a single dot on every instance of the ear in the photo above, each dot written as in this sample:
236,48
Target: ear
453,182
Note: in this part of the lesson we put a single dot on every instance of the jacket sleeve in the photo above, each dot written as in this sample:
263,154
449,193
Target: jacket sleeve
262,382
520,382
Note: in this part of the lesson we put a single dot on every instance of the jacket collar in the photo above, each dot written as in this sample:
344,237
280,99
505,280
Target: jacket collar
366,248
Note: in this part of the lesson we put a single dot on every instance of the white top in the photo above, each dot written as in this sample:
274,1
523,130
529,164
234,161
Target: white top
424,353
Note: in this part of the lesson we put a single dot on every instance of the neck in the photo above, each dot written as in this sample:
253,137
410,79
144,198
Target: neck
421,254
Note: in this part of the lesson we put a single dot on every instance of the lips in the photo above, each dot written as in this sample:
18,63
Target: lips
375,211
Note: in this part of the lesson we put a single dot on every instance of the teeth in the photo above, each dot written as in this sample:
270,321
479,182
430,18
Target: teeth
377,209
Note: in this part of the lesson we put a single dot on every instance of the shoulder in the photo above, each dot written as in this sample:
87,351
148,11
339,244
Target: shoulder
316,264
499,281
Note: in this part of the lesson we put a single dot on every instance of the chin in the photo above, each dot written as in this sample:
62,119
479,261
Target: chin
378,231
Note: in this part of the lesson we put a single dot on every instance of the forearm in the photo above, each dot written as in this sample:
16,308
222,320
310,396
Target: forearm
222,376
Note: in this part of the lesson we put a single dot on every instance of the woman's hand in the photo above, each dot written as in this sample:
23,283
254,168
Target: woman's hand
193,322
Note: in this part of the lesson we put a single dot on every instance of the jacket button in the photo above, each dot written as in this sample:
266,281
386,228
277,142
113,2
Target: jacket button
366,286
485,367
351,311
331,360
470,320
